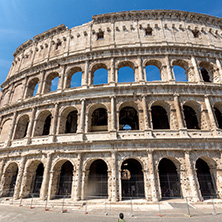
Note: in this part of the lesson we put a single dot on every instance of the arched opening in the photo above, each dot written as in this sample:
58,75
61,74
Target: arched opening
205,74
218,115
169,179
126,74
47,123
43,123
74,78
51,83
152,73
98,180
190,118
132,179
180,74
128,119
159,118
22,126
100,76
71,122
99,120
205,179
37,180
32,87
65,181
10,180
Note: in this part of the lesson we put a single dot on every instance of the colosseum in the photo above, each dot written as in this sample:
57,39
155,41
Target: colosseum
128,105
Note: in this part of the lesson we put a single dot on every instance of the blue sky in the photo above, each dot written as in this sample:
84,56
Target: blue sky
20,20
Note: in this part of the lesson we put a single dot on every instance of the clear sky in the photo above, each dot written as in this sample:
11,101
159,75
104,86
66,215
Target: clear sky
21,20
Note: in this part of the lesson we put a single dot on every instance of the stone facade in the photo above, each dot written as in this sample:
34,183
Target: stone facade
72,141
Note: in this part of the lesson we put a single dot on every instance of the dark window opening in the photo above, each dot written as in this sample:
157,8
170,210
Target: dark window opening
65,183
37,181
132,179
218,115
190,118
22,127
205,75
26,128
169,179
99,120
159,118
207,187
100,35
196,33
58,44
46,127
98,180
128,119
71,122
148,31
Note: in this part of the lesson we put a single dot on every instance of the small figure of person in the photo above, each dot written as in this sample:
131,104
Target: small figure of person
121,216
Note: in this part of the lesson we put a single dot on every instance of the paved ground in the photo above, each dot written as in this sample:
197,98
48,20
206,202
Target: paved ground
170,210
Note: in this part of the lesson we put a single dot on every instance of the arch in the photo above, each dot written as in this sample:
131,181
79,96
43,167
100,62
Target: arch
10,177
43,123
206,70
128,118
74,77
99,120
97,179
32,87
6,126
191,116
68,120
34,174
132,179
126,72
62,179
206,181
169,179
218,114
99,74
22,126
153,70
159,117
51,83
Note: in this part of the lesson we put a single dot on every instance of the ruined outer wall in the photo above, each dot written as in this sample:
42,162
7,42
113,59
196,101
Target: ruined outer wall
60,49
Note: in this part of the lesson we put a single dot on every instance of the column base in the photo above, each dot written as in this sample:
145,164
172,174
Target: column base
183,133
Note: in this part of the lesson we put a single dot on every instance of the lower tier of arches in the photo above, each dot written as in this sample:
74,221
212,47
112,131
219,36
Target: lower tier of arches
115,175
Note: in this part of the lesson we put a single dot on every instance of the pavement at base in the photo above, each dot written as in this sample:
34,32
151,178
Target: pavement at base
10,213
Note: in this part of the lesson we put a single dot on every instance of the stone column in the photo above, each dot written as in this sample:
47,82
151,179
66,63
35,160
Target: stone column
171,77
211,115
30,130
24,91
86,72
19,178
112,72
119,176
11,131
24,180
182,129
147,125
198,76
1,171
55,120
82,117
51,172
46,175
114,170
192,177
149,113
140,70
151,177
148,195
113,114
41,83
61,79
77,191
218,176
